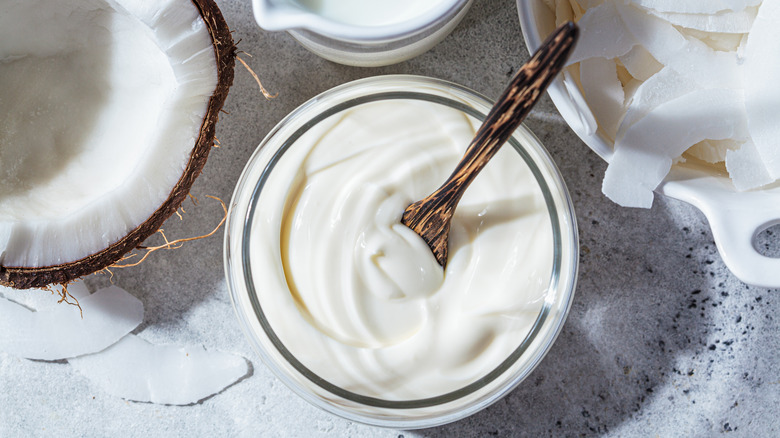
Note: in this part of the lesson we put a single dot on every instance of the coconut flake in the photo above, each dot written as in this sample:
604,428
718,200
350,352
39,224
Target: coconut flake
39,299
589,4
603,92
660,88
745,167
604,34
762,95
721,22
688,56
695,6
684,87
60,332
623,75
713,151
630,89
577,9
136,370
640,63
644,156
563,12
724,42
588,123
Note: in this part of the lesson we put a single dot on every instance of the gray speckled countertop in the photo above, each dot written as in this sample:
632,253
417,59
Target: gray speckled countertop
662,340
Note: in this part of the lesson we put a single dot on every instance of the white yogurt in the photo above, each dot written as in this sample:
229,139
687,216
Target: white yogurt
369,12
357,297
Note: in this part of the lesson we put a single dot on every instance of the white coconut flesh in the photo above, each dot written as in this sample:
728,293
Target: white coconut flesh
101,104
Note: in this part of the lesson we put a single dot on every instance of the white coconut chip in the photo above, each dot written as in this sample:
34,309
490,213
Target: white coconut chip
603,92
588,4
644,156
623,75
60,332
603,34
577,10
696,79
762,93
629,90
39,299
640,63
745,167
713,151
724,42
688,56
580,109
563,12
136,370
721,22
695,6
662,87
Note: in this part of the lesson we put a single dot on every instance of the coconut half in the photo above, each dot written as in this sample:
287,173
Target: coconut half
107,115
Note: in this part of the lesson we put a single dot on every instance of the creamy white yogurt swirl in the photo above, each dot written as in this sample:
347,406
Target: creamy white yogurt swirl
357,297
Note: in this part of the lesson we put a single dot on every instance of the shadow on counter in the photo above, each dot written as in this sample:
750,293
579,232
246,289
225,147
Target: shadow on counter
629,322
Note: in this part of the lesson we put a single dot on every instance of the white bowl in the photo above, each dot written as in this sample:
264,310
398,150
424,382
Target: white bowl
736,218
361,45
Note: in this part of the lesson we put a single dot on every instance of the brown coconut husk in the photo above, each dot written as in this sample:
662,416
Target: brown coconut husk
225,51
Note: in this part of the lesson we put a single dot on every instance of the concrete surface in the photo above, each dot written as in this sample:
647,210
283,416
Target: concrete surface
661,341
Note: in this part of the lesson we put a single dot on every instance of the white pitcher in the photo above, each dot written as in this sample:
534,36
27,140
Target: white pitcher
365,33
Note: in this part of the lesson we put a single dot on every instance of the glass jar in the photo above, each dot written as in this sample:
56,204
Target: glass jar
247,218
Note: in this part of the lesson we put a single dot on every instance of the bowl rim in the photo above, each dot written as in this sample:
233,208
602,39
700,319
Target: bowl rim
562,282
568,100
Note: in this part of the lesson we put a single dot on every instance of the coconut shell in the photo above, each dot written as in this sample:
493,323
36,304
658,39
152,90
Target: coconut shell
225,52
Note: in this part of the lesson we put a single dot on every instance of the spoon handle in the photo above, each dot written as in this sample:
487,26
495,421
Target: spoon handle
431,215
514,104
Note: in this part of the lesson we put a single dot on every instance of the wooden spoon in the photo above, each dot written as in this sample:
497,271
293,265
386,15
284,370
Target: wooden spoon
431,216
